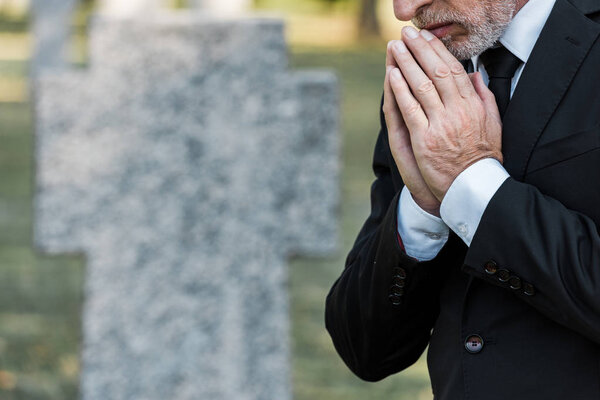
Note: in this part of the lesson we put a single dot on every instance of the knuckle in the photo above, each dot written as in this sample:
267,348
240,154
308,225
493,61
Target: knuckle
441,71
467,127
446,125
478,107
457,68
462,116
431,142
464,121
425,87
413,108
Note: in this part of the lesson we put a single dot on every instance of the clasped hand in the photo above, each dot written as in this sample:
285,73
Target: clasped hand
440,119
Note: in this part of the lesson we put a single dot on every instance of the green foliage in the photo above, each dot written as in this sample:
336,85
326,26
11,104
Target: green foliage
314,7
331,2
13,23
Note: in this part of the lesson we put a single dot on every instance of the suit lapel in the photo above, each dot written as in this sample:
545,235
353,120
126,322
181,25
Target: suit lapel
556,57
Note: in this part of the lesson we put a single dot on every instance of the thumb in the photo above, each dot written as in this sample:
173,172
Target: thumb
486,95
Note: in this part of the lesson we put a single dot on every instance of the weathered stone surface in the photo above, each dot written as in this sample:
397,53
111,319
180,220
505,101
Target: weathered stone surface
187,164
221,7
130,8
51,32
140,8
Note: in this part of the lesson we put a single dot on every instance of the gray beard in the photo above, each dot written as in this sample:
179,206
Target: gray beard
485,26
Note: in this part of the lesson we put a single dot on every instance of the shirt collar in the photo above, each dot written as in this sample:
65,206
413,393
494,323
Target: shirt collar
524,29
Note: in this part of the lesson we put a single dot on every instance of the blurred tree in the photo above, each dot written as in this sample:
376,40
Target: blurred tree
13,16
332,3
368,25
179,3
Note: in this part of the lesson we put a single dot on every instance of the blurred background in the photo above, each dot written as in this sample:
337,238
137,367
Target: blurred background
41,296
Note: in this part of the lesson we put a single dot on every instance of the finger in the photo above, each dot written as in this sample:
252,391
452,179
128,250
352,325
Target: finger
399,141
398,135
419,83
433,65
412,112
393,118
463,83
389,56
486,95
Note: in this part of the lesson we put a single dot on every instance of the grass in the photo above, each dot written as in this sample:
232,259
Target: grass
41,297
318,371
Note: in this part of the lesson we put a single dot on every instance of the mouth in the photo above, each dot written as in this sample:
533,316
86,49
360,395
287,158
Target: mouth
440,29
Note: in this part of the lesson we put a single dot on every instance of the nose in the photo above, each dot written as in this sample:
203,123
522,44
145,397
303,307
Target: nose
405,10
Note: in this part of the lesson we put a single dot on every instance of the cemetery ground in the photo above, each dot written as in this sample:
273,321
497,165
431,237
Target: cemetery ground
41,296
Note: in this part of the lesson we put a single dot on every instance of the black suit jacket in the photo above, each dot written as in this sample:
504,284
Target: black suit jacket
529,284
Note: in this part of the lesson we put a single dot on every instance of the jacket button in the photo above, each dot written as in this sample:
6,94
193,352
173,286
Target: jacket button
528,289
399,272
474,344
396,280
490,267
503,275
395,299
397,290
515,282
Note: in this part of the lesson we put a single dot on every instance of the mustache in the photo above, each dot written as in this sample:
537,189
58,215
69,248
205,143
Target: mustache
429,17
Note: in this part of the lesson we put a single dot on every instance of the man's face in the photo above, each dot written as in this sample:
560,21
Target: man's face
466,27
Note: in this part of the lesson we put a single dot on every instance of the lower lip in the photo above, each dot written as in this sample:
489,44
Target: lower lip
442,30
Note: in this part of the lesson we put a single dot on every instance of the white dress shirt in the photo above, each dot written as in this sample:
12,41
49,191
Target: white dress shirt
423,234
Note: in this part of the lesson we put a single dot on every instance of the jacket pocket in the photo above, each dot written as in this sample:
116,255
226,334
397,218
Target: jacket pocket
564,149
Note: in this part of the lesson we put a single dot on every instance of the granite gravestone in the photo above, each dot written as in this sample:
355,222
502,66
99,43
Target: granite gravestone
51,33
129,8
221,7
187,165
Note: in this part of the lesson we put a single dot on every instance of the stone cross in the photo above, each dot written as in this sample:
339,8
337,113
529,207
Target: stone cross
51,33
138,8
129,8
187,164
222,7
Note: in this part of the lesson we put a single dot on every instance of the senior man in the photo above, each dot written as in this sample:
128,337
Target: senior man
483,239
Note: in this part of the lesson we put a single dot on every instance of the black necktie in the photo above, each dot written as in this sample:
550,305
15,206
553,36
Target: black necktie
500,65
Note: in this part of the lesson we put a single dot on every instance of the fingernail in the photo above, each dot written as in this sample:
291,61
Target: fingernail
396,74
400,46
410,32
388,69
427,35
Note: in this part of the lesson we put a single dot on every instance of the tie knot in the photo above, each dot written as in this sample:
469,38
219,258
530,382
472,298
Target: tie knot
499,62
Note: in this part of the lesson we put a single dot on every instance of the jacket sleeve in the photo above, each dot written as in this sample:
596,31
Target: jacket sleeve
382,308
547,254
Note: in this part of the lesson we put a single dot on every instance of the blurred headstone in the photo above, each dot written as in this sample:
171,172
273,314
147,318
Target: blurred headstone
222,7
51,33
129,8
188,164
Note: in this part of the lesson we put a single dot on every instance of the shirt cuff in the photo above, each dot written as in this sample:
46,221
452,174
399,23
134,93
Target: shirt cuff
422,234
469,195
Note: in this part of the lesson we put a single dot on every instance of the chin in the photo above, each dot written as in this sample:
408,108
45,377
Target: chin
456,48
461,48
